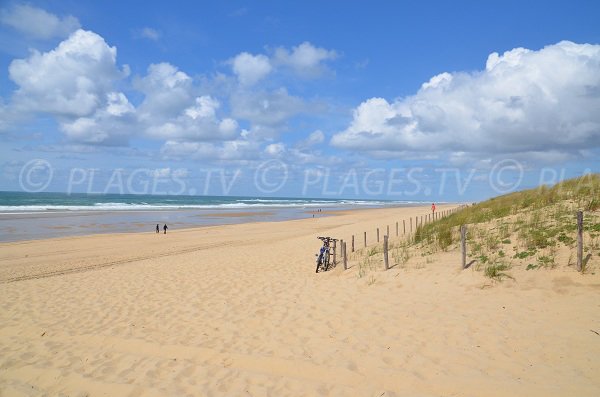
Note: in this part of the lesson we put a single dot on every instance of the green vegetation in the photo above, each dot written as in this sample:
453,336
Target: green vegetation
563,198
496,271
528,229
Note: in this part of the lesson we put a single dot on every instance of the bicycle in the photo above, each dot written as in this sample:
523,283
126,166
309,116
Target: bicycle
323,257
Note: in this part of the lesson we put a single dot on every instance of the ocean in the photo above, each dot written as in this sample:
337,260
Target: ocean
27,216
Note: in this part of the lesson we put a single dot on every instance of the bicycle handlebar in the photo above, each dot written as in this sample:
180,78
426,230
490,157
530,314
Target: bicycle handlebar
327,238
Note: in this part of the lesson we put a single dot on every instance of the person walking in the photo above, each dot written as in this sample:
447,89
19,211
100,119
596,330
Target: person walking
165,228
157,228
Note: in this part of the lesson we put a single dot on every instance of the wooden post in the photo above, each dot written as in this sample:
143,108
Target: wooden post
411,225
397,229
334,249
387,231
377,234
345,254
353,243
463,245
579,241
365,239
385,252
404,226
421,220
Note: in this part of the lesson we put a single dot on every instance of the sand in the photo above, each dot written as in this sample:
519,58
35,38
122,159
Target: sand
237,310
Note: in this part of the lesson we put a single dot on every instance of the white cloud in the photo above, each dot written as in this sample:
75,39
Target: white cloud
205,107
524,101
275,149
197,122
161,172
37,23
112,124
149,33
315,138
250,69
305,59
267,111
71,80
118,104
235,150
75,83
168,91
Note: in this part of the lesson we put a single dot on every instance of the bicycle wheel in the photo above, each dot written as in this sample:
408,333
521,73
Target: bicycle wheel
326,261
319,260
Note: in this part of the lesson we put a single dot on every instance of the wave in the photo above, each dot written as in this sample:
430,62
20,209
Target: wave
171,205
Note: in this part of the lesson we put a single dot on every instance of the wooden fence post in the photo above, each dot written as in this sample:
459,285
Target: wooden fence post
377,234
411,225
387,230
579,241
385,252
353,243
365,239
404,226
463,245
396,229
345,256
334,249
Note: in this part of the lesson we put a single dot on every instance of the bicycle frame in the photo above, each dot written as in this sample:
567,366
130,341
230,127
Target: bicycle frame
323,257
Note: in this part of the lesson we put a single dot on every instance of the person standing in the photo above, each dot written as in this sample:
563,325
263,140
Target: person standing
165,228
157,228
433,208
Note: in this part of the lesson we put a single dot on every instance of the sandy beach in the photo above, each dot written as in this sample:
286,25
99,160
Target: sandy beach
237,310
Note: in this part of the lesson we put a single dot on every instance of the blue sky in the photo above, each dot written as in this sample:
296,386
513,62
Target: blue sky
399,100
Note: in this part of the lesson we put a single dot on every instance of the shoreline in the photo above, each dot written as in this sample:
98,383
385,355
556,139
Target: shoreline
44,225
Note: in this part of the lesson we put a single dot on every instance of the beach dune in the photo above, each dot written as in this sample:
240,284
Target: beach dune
238,310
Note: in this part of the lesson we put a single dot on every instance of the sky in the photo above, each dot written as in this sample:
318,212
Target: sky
397,100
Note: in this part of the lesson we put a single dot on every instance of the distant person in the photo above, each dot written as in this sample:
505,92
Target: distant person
433,208
165,228
157,228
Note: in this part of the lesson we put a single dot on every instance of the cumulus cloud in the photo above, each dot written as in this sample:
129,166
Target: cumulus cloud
249,68
167,92
172,110
275,149
71,80
305,59
267,111
75,83
37,23
198,122
524,101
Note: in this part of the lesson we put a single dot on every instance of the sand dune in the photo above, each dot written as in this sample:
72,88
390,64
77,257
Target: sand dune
237,310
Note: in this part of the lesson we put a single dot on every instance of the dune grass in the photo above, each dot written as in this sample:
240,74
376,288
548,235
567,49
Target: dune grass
565,197
524,228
